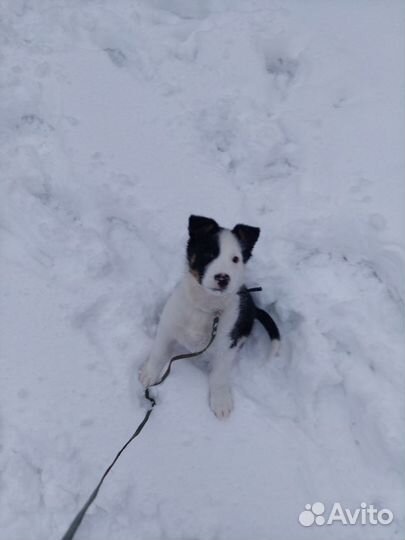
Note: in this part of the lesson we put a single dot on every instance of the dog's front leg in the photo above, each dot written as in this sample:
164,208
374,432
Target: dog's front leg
220,393
163,345
159,356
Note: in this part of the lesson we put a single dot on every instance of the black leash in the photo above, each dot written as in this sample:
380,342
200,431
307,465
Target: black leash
69,534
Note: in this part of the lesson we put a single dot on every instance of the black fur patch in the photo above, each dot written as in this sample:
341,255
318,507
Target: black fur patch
202,245
244,322
247,237
200,225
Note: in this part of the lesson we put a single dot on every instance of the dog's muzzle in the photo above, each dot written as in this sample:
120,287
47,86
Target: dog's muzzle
222,281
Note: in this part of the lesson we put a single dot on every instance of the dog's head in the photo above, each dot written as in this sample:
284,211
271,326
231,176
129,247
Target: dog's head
217,256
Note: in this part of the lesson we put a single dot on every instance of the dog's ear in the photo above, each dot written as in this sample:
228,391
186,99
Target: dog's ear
199,226
247,237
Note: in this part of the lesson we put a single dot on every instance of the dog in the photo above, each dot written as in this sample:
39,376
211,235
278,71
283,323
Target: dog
213,284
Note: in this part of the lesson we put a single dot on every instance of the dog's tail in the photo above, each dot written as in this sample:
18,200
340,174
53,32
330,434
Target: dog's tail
271,328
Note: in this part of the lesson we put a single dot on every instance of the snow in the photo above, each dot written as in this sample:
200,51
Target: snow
118,120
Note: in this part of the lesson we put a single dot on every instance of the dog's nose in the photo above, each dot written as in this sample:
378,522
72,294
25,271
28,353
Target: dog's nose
222,280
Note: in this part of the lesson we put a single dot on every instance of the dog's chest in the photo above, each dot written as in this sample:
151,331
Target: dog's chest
195,330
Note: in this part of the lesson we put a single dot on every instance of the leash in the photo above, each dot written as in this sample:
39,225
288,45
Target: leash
70,533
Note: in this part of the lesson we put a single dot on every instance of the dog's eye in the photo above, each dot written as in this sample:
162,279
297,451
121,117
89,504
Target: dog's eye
235,259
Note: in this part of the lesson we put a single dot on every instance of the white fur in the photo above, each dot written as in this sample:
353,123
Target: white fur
228,249
187,319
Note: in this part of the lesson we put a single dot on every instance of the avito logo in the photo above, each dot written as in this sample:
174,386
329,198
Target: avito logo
364,515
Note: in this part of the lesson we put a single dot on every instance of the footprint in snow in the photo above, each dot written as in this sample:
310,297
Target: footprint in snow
116,56
283,71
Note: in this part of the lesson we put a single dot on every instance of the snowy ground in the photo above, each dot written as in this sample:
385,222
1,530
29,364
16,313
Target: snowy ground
118,120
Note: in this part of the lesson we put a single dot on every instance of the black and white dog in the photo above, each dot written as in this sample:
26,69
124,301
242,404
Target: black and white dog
213,284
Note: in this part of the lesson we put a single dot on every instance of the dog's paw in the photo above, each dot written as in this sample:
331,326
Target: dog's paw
149,374
221,401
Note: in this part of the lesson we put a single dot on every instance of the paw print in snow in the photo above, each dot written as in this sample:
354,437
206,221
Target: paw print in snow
283,70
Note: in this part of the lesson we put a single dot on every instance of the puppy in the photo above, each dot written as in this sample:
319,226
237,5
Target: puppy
213,284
